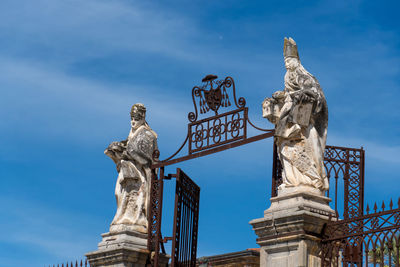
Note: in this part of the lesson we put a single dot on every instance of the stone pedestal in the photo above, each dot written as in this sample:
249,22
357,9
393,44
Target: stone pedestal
123,249
289,234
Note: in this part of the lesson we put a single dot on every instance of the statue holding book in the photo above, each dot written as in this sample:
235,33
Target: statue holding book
300,115
133,158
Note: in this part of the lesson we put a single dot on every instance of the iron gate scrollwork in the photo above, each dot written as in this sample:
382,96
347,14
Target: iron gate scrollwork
372,239
154,239
219,131
186,219
205,136
340,162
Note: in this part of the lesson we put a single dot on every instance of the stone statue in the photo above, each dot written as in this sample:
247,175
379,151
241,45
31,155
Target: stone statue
300,115
133,158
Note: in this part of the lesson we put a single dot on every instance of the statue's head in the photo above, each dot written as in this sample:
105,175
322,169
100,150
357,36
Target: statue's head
291,54
138,114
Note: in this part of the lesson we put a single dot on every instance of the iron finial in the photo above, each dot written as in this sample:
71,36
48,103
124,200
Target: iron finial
209,77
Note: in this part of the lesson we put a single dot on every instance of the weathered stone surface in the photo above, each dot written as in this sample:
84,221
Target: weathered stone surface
300,115
133,158
126,243
120,249
246,258
289,233
123,249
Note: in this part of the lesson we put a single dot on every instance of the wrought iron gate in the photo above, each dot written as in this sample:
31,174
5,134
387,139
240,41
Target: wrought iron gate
205,136
341,163
186,219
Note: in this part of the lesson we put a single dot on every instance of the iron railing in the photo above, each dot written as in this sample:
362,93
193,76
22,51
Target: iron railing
342,163
82,263
372,239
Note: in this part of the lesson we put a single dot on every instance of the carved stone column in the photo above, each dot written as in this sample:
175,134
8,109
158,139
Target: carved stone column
290,231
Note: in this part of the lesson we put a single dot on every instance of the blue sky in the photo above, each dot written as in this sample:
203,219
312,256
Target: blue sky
70,71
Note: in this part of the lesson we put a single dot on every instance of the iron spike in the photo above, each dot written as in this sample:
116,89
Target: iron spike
398,203
375,207
391,204
383,205
367,210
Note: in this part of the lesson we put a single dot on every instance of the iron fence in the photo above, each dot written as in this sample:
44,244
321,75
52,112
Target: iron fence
372,239
82,263
341,163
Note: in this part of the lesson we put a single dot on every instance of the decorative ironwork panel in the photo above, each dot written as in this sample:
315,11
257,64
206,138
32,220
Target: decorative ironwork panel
376,241
186,218
347,163
213,95
218,130
340,162
154,220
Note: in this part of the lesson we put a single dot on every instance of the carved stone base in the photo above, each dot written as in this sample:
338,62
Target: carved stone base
289,233
124,249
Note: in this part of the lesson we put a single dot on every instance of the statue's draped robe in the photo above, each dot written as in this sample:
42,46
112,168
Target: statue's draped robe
301,132
132,189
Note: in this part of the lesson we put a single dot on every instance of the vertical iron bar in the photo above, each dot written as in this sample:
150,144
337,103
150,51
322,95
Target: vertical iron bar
159,216
187,215
187,230
196,227
361,198
226,127
183,224
177,216
208,132
274,170
336,194
346,187
190,138
245,123
190,231
187,203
